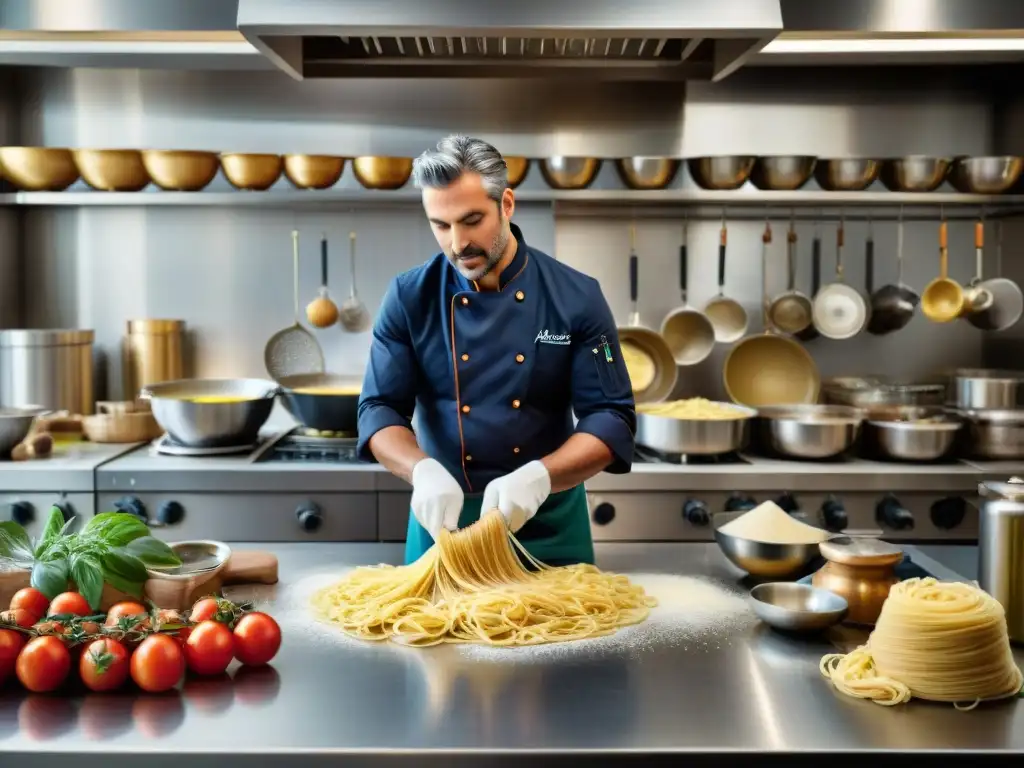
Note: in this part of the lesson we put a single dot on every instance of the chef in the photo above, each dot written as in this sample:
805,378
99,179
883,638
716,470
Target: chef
495,345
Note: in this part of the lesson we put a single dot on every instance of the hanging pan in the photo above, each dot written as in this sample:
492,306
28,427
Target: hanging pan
893,305
687,331
791,311
728,316
1006,303
840,310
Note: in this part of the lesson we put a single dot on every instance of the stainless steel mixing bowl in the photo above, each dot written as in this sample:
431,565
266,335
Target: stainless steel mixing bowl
14,426
797,607
234,422
774,561
809,431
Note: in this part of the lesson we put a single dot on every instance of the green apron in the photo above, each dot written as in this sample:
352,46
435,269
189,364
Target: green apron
559,534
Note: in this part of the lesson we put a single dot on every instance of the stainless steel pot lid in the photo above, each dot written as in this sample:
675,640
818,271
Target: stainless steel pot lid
1011,490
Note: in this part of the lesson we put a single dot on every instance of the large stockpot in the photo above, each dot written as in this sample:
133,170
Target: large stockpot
212,413
979,389
912,434
153,352
50,369
323,401
1000,542
692,437
809,431
995,435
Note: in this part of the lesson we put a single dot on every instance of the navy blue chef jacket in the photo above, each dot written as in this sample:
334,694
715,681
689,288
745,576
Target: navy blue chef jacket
495,378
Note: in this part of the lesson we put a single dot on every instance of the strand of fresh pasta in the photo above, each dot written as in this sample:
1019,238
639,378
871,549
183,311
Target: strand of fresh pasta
471,586
933,640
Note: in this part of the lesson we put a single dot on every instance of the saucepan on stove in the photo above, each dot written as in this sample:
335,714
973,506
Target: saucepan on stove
211,413
325,402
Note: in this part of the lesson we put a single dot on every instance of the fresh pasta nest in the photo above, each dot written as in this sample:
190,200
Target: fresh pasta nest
472,587
933,640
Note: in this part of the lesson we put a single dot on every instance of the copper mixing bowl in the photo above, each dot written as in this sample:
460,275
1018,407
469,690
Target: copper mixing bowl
38,169
313,171
382,172
647,172
112,170
570,172
180,170
517,168
253,172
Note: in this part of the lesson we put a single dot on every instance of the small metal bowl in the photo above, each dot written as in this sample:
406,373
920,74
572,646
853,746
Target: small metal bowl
986,175
112,170
783,173
313,171
517,169
196,557
38,169
647,172
915,173
180,170
251,172
569,172
721,171
809,431
773,561
846,174
382,172
797,607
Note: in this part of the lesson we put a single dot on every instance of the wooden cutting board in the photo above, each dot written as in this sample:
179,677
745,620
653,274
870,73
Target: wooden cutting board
242,567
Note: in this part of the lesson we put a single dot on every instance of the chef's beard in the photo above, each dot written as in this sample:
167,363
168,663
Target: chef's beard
492,256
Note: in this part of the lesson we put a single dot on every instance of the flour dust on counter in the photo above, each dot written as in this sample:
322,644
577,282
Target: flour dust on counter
696,615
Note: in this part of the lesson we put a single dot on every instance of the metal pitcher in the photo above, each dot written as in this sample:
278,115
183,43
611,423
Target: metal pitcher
1001,549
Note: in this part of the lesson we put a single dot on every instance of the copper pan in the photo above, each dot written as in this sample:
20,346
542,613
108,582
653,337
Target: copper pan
517,169
112,170
313,171
38,169
180,170
256,172
382,172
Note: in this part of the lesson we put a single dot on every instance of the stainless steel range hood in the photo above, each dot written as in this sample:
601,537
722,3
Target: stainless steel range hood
641,39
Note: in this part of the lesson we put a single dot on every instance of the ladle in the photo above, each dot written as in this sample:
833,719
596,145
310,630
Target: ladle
943,298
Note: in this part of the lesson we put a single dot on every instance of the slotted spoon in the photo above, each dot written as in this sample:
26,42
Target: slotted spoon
353,314
293,350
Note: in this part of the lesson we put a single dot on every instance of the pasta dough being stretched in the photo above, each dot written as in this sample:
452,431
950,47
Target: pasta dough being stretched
471,587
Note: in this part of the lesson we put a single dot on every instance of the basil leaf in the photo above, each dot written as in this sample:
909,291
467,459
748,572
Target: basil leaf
14,541
51,532
87,574
125,565
116,528
153,553
118,582
50,577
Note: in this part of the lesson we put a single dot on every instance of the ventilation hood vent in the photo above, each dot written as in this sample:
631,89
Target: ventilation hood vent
640,39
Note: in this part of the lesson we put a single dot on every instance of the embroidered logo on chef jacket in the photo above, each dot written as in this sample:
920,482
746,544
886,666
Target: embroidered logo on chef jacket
546,337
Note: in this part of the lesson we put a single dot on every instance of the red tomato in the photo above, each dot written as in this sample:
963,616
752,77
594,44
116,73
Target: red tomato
257,639
43,664
209,648
69,602
183,634
104,665
32,600
19,617
11,643
123,610
158,663
203,610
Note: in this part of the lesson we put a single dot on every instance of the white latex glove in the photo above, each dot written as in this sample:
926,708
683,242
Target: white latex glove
436,497
518,495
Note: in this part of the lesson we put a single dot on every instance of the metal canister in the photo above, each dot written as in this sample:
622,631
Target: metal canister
1001,549
153,353
48,368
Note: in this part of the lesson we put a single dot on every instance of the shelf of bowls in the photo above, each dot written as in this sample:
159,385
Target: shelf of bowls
779,178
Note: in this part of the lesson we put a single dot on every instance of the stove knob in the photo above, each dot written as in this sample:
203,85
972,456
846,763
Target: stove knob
310,517
891,513
22,513
604,513
739,503
132,505
66,510
695,512
949,512
834,515
170,513
788,503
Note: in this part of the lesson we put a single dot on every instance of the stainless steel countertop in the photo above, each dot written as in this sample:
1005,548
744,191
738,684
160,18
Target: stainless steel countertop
745,693
68,469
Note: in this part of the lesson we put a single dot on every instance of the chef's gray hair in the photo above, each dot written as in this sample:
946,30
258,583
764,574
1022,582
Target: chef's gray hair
454,156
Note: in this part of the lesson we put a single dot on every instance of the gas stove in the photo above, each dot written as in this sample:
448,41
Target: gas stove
310,446
643,455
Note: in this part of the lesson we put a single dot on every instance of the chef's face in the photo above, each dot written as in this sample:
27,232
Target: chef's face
471,228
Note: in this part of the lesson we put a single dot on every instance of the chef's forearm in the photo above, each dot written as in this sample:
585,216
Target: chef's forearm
396,448
580,458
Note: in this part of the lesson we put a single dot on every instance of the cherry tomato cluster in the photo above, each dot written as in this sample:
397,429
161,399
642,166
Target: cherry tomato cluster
41,641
